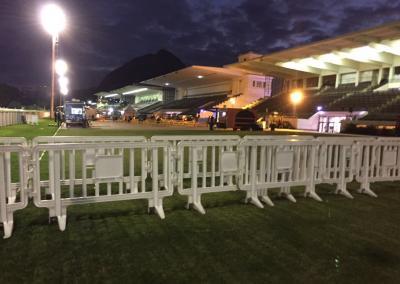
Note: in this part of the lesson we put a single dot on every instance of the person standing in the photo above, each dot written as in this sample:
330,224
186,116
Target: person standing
211,122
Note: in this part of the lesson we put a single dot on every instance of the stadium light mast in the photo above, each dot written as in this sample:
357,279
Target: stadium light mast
61,68
53,21
296,97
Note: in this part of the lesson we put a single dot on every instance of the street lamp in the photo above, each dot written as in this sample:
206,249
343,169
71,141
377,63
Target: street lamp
53,21
296,97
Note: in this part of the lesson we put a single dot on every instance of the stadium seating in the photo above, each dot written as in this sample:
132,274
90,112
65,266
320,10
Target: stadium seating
194,104
368,101
344,98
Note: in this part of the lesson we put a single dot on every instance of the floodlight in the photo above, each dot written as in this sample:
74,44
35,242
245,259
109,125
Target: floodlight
63,82
53,19
61,67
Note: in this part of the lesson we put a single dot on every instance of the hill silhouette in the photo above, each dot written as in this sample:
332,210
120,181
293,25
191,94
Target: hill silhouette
141,68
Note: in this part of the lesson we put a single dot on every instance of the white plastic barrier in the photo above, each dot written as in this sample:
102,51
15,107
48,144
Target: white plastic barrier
336,162
18,141
120,171
81,170
84,139
194,139
206,167
12,182
379,160
274,163
13,141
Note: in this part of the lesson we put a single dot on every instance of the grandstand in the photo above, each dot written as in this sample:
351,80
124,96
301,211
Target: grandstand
354,76
189,106
203,89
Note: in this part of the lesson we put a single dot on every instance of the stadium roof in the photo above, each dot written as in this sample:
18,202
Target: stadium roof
364,50
137,89
194,76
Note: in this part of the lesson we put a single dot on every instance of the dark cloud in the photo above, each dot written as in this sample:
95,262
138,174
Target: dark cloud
103,34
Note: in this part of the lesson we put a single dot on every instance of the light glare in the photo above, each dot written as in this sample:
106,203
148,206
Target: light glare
63,82
135,91
53,19
61,67
296,97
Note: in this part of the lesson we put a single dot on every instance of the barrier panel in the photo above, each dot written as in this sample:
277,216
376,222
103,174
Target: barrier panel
174,140
277,164
100,172
18,141
379,160
206,167
336,162
84,139
13,191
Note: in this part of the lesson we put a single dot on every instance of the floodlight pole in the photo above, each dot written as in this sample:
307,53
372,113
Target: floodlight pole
54,40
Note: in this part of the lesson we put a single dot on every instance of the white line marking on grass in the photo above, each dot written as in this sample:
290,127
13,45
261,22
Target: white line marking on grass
55,133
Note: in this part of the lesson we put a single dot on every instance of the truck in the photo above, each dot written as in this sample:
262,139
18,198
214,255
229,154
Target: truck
75,114
236,118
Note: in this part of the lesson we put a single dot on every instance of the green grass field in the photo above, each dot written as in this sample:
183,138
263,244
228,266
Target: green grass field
336,241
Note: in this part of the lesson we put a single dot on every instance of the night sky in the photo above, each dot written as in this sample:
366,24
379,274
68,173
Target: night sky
103,34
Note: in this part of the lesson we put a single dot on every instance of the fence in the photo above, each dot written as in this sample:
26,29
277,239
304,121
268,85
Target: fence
58,172
13,180
206,167
17,116
379,160
280,164
106,172
10,117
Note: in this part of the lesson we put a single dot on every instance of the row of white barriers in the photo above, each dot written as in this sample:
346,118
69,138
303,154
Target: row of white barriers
57,172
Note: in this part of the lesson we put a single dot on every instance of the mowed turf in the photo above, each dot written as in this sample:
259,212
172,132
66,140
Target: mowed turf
336,241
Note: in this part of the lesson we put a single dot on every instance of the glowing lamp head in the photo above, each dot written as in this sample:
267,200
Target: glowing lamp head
61,67
232,101
200,76
319,108
53,19
64,91
296,97
63,82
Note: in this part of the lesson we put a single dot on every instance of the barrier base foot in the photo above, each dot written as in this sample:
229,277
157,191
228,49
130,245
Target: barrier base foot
8,227
288,196
314,196
367,191
199,207
62,222
345,193
255,201
267,200
160,211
